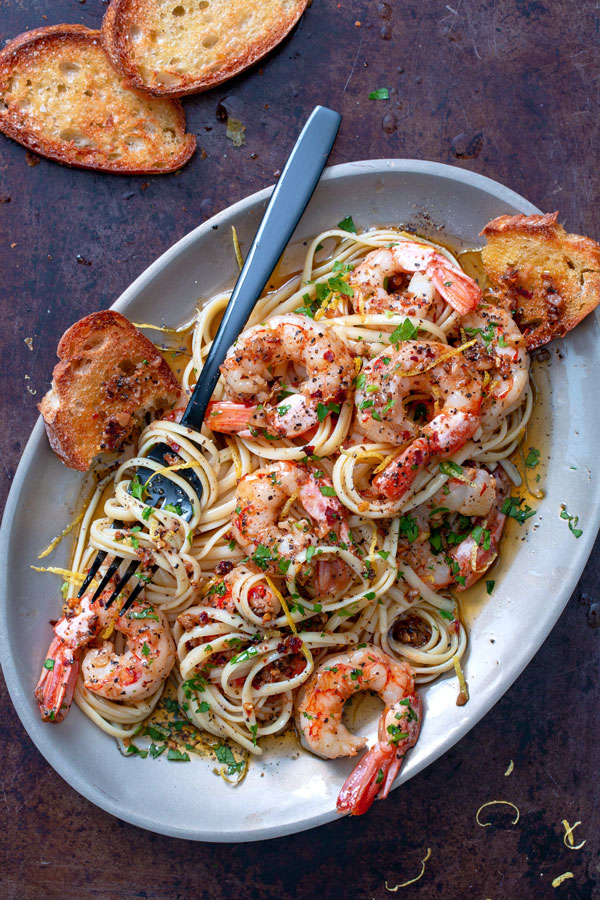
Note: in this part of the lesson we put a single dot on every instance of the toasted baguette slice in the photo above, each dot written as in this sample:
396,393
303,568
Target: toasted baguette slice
548,279
60,96
176,47
109,376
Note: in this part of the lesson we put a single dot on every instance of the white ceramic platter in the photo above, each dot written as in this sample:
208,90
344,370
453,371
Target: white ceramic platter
289,790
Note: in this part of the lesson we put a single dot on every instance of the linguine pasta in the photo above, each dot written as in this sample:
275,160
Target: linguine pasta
237,671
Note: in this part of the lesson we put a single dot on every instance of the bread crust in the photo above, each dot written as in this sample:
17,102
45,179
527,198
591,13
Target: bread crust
122,15
108,377
51,43
548,279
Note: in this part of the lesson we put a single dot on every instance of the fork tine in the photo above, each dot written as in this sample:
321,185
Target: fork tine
100,557
107,576
135,592
130,570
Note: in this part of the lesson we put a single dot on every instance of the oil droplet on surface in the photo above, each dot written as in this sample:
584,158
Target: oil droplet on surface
384,10
593,614
385,33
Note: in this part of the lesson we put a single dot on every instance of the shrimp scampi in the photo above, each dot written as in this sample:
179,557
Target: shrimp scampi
380,282
277,374
391,382
132,675
319,708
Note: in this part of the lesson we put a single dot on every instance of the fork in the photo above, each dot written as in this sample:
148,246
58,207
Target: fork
288,201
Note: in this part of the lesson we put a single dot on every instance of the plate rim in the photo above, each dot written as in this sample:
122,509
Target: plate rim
53,756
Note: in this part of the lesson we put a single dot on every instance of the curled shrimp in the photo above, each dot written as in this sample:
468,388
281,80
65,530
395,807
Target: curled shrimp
393,381
459,530
500,354
258,521
277,374
318,717
380,281
130,676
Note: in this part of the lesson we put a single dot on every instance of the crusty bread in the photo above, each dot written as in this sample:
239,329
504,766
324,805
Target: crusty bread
547,278
176,47
109,376
60,96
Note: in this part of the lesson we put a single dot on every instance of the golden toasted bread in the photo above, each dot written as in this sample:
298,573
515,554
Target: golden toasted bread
109,376
548,279
176,47
60,96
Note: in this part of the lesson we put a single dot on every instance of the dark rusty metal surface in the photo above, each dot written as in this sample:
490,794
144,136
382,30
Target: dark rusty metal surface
506,89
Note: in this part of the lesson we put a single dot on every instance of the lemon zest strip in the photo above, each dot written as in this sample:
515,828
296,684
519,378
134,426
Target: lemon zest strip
60,536
412,880
305,651
560,878
510,769
494,803
235,455
68,574
238,256
464,688
568,836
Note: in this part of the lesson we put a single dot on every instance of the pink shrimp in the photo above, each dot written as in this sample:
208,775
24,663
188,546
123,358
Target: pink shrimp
131,676
390,381
377,281
262,384
478,497
318,717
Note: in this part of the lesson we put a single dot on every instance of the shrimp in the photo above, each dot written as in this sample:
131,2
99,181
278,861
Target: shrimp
131,676
277,375
260,530
379,284
390,381
318,717
501,352
457,550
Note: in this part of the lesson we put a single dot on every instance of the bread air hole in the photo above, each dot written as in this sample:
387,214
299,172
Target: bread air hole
135,34
61,88
210,40
179,11
127,367
72,136
203,4
69,70
3,106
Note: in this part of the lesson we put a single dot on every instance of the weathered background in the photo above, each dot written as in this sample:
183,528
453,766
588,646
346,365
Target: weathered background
506,89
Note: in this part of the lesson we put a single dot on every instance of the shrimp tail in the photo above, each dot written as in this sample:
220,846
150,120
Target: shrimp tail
227,417
373,775
54,690
397,478
461,292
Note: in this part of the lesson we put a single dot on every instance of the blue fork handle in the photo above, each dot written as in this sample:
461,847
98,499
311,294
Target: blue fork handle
288,201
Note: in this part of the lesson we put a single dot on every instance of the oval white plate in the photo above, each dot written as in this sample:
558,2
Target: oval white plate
289,790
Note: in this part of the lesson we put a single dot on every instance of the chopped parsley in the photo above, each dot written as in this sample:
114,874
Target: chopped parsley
573,522
347,224
380,94
409,528
489,586
327,490
404,332
177,755
169,507
533,458
224,755
136,488
512,507
451,469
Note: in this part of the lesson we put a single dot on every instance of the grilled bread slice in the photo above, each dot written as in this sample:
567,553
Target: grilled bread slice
176,47
548,279
60,96
109,376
